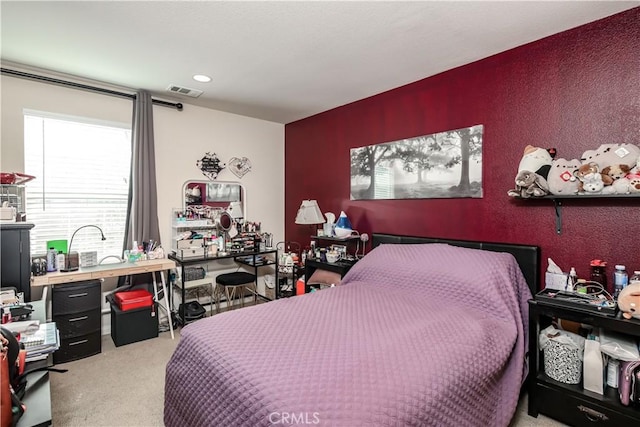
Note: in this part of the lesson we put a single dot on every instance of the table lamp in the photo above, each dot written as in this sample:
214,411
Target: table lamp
68,265
309,213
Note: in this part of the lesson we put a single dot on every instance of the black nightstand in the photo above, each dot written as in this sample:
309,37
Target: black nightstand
341,267
569,403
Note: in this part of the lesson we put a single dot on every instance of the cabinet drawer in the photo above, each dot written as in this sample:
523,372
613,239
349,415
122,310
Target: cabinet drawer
573,410
78,347
76,324
76,298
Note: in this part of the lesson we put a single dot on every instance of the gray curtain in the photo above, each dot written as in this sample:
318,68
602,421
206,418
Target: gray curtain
142,214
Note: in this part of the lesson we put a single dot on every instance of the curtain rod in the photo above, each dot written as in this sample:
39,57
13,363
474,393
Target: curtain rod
14,73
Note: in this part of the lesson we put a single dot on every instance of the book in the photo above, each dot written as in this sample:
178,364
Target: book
46,336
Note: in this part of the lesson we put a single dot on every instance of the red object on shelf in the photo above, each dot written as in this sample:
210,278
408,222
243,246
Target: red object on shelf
130,300
14,178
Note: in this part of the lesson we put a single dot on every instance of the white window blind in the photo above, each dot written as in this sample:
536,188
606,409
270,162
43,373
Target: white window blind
82,177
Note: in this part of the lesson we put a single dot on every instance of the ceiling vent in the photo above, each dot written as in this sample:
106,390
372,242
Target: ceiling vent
194,93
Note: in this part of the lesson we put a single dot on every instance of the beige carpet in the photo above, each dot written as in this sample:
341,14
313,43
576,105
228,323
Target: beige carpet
124,386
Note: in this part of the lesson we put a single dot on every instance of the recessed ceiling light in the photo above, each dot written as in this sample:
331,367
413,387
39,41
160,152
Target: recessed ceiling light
202,78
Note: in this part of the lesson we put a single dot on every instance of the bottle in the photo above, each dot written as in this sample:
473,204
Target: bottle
60,260
51,260
572,280
635,278
598,275
620,280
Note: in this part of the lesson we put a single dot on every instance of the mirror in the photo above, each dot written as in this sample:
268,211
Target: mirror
217,195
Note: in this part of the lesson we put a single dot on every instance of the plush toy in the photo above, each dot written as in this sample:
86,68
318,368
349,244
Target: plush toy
629,301
561,179
586,170
592,183
612,154
619,186
616,171
529,184
636,168
634,183
537,160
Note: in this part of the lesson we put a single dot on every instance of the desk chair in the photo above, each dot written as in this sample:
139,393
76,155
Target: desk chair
233,284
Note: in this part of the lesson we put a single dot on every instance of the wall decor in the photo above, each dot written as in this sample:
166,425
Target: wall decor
239,166
440,165
210,165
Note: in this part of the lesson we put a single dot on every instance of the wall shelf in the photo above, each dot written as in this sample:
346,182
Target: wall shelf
558,200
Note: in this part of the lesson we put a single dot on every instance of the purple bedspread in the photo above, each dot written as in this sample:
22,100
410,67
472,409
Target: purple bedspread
417,335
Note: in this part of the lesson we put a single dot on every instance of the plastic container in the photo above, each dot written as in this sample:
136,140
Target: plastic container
598,274
620,279
52,254
635,278
613,369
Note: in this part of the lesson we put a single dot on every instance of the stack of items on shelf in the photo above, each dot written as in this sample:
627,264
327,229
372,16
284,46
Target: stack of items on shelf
610,169
596,294
577,353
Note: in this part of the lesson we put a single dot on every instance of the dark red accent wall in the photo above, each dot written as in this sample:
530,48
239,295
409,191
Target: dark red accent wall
574,91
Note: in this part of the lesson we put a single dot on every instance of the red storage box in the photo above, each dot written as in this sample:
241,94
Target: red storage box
130,300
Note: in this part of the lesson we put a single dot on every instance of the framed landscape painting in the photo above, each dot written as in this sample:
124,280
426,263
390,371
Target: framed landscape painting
440,165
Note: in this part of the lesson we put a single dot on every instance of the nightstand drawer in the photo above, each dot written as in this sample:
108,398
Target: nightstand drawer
573,410
76,324
78,347
75,298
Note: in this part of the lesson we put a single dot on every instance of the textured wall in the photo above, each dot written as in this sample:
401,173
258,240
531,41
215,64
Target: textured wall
574,91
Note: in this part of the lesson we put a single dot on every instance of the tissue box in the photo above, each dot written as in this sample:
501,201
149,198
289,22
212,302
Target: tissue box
556,281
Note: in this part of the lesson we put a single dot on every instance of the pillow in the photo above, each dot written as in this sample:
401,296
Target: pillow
324,277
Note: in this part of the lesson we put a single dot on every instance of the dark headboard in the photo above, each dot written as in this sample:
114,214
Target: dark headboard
528,257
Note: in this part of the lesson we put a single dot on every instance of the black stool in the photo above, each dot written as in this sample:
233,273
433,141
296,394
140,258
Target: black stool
232,283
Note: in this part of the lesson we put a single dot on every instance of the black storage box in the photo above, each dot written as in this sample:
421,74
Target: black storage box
133,325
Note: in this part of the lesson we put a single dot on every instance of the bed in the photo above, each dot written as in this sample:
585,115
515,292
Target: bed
421,332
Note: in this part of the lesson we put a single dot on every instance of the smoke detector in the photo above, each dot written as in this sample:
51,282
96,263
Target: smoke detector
193,93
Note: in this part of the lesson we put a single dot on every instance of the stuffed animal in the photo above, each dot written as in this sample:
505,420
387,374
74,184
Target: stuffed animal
591,169
592,183
619,186
537,160
561,179
612,154
636,169
634,183
529,184
629,301
616,171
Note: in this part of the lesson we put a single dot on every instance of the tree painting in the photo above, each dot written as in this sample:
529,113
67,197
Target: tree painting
441,165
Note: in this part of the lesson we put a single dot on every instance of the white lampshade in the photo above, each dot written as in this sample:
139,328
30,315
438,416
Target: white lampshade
235,209
309,213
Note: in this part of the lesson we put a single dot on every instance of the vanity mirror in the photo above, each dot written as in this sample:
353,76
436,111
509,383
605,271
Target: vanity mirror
214,195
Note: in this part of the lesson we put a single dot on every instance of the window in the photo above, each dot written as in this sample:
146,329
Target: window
82,170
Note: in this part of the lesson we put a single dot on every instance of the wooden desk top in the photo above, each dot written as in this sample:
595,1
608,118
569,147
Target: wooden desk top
103,271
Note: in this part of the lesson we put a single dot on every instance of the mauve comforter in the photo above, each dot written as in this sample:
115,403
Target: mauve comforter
417,335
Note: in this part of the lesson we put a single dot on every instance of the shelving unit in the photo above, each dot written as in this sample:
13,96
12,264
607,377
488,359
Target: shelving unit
568,403
558,202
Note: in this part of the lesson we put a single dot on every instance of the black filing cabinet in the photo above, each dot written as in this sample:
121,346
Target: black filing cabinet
76,309
15,257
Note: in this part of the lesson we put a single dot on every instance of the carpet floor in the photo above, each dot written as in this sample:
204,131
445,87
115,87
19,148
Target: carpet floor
124,386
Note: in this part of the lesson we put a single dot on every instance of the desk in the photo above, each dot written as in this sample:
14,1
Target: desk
182,262
37,397
114,270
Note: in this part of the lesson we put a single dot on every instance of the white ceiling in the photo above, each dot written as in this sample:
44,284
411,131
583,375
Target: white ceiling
277,61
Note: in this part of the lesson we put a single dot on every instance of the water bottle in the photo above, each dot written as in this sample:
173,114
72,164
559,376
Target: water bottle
635,278
51,260
620,280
